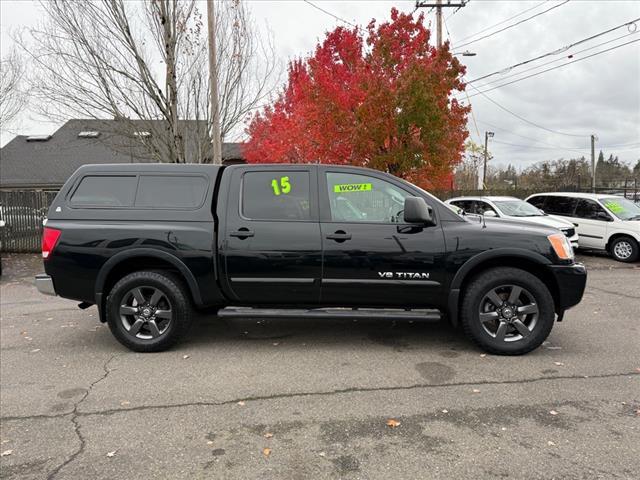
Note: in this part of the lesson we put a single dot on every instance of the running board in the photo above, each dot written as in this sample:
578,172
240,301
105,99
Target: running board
333,313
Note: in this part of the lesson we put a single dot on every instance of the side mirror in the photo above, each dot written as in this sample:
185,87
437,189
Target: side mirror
416,210
541,211
603,216
490,213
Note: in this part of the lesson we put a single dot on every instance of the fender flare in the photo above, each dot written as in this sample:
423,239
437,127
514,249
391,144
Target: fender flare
470,264
118,258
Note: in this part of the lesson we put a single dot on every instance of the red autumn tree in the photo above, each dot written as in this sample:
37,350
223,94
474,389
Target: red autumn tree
379,99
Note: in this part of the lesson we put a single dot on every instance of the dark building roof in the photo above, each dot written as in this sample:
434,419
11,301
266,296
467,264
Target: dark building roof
47,161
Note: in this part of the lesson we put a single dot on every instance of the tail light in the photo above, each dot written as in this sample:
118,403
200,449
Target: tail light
50,238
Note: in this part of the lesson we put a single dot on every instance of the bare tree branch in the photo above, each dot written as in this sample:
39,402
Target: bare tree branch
12,98
132,61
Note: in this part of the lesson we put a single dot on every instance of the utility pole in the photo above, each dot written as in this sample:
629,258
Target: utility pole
438,5
486,157
213,85
439,23
593,163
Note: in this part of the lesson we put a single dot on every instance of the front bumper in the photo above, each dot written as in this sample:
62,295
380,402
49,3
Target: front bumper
571,281
44,283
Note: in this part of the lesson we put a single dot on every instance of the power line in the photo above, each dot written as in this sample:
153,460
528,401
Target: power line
551,61
514,25
558,50
524,119
554,68
456,11
541,148
501,22
331,14
531,138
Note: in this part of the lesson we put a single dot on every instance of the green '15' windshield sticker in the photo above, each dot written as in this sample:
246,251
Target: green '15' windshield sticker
352,187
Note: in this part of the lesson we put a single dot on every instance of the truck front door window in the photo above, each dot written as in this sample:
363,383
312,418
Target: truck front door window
360,198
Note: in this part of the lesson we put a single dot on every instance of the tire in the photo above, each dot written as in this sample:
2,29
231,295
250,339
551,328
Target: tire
624,249
513,327
149,311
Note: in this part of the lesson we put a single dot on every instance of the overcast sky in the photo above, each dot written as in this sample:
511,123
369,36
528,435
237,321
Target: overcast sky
600,95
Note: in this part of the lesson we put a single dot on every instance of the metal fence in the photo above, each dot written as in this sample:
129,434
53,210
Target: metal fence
23,212
630,192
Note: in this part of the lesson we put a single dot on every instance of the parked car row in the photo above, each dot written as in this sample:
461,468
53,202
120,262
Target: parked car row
591,221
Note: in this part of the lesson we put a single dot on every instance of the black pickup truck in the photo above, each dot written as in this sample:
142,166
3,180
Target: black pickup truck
148,243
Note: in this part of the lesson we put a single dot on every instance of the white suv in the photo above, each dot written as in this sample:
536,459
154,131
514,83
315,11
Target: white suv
603,222
515,209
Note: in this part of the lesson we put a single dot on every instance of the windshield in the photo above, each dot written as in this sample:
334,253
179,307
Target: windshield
517,208
622,208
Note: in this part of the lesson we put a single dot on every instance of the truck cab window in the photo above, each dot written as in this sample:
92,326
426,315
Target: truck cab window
276,195
360,198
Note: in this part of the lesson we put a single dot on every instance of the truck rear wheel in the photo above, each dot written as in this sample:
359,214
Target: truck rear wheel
148,311
507,311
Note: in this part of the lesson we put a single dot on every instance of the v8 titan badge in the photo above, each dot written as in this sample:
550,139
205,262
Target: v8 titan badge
404,275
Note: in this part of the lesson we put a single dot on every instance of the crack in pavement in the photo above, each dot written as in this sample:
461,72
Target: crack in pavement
632,297
74,420
278,396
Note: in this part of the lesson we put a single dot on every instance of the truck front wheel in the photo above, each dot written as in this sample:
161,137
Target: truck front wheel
148,311
507,311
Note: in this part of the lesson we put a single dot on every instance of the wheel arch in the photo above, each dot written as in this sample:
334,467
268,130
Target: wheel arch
617,235
138,259
529,261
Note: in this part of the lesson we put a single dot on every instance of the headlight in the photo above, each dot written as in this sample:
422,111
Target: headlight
561,245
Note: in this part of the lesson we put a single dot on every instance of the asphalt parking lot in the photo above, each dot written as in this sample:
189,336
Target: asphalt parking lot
288,399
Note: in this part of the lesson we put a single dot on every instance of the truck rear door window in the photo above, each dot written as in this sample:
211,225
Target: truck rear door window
105,191
276,195
171,191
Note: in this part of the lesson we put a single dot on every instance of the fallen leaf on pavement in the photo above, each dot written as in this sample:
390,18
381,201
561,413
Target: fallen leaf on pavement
266,452
268,435
445,411
553,412
393,423
558,364
209,442
112,454
550,443
125,402
6,453
184,357
482,355
241,403
475,390
35,350
322,454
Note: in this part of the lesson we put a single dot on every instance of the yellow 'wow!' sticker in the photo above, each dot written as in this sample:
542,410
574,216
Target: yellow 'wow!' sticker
352,187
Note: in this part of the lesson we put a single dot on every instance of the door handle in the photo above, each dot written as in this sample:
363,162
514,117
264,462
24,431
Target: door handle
339,236
242,233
